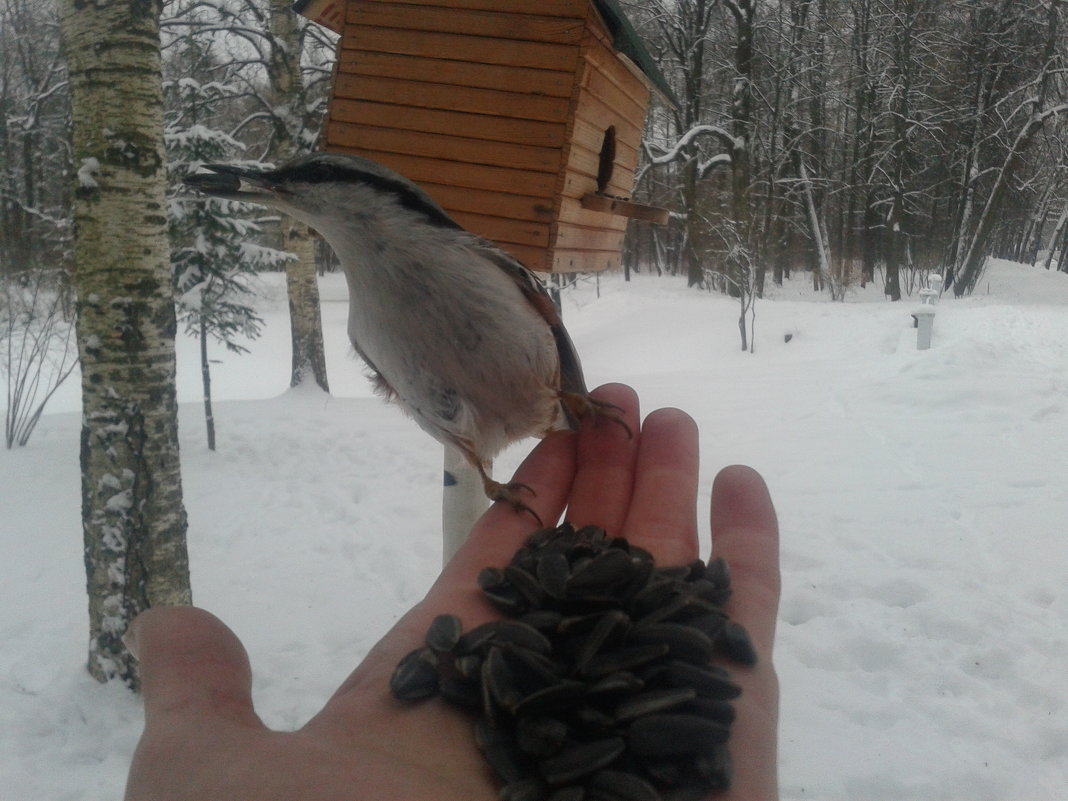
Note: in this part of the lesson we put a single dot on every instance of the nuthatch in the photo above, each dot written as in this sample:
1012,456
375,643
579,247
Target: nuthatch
459,333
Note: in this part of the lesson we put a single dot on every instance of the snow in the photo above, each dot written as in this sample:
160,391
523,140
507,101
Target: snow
923,635
87,173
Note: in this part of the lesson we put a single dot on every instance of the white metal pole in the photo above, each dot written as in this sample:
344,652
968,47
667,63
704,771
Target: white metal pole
463,501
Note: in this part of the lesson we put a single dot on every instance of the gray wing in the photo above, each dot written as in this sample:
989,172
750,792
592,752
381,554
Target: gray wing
571,377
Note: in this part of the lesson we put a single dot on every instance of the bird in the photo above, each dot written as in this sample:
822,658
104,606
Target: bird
454,330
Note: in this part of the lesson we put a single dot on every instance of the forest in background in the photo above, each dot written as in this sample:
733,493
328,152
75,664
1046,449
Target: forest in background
856,140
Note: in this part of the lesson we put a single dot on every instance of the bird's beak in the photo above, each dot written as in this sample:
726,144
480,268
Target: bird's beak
235,183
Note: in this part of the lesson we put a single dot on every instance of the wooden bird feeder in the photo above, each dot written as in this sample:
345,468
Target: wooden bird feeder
522,118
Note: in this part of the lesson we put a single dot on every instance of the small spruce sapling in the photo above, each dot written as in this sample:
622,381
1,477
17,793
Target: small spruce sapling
211,249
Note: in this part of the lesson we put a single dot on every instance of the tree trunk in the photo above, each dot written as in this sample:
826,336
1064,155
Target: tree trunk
284,74
979,244
133,519
1062,259
205,376
971,265
1054,240
305,320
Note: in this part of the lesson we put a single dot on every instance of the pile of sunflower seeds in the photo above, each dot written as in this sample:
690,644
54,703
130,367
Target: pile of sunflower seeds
600,687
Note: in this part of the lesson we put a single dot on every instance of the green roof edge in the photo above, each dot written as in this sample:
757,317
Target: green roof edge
629,42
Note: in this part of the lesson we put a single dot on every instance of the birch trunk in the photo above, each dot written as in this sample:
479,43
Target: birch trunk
1058,229
284,74
305,320
133,520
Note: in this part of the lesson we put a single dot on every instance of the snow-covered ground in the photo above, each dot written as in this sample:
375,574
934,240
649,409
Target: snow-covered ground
923,498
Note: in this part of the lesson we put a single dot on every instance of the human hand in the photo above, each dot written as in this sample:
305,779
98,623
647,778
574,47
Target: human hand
203,740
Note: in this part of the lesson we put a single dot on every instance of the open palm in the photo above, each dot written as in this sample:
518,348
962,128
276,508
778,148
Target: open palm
204,741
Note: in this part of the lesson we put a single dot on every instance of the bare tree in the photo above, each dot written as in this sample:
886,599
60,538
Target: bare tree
133,518
37,352
1039,98
34,139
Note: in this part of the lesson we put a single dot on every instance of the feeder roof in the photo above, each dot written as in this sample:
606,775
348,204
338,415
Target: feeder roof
625,39
629,42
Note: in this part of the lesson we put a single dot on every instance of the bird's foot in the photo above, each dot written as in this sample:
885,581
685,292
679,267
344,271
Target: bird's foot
509,493
583,406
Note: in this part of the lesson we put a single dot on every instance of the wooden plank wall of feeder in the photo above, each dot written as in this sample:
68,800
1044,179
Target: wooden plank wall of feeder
611,94
470,102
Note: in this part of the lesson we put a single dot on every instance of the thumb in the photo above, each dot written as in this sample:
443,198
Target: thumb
191,663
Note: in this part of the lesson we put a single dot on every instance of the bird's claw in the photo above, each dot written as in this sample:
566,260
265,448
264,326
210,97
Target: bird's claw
583,406
509,493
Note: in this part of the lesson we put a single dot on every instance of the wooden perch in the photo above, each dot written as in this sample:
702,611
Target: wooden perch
625,208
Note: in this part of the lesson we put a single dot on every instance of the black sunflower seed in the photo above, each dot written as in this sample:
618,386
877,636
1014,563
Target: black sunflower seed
478,639
553,573
656,593
490,578
609,630
576,761
573,792
507,762
677,572
549,698
524,790
542,619
416,676
525,584
522,634
444,633
733,642
708,682
540,736
623,659
684,642
607,569
708,591
653,701
468,666
593,720
600,686
711,708
711,623
621,682
506,599
674,736
714,768
529,668
460,691
620,786
497,677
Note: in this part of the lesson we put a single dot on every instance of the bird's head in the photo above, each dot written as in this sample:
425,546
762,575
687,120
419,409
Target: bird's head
327,191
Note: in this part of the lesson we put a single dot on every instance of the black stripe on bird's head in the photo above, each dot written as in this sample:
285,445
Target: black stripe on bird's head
305,174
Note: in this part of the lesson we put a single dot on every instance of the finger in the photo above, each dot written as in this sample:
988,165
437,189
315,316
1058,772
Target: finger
745,533
606,456
662,517
498,534
548,471
190,664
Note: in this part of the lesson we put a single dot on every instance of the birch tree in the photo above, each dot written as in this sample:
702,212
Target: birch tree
133,519
280,60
